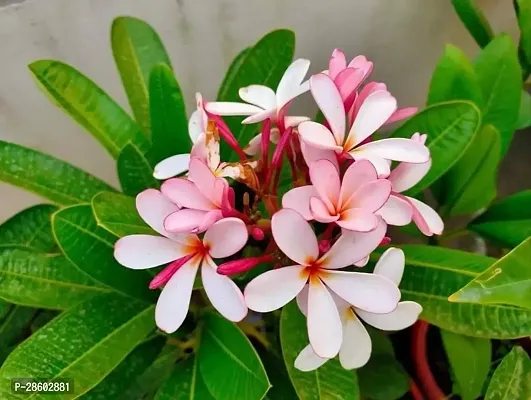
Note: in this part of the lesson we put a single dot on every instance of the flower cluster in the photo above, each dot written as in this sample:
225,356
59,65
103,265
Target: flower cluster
303,224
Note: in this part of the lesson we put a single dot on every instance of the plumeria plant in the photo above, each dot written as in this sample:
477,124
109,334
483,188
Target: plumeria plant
254,253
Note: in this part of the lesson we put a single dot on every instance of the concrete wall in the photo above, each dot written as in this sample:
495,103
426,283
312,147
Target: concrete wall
403,37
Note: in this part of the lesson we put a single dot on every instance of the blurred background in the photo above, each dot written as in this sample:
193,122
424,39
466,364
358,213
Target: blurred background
404,38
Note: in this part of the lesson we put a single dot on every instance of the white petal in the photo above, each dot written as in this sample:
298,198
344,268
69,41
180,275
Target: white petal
405,315
289,86
226,237
261,116
307,360
147,251
434,222
254,146
197,124
391,265
171,166
382,166
363,262
328,98
356,348
294,121
397,149
302,300
396,211
407,175
230,108
259,95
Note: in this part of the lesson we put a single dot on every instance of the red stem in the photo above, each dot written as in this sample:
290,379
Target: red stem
276,160
266,139
227,135
414,390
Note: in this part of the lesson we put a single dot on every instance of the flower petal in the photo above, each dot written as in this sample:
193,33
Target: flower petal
426,218
289,86
298,199
254,146
260,116
231,108
401,114
185,220
147,251
291,122
324,325
407,175
348,81
203,179
294,236
210,218
318,135
153,207
311,154
337,63
226,237
328,98
275,288
174,300
382,166
362,63
356,348
325,179
259,95
405,315
397,149
222,292
171,166
302,300
320,212
357,174
185,193
391,265
370,196
307,360
358,220
396,211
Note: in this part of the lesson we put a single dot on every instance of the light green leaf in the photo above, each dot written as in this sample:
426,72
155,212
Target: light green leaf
523,14
242,376
474,20
451,127
16,321
264,64
137,48
47,176
134,171
30,228
500,79
90,248
330,381
508,221
169,124
84,343
470,360
117,213
88,104
524,114
512,378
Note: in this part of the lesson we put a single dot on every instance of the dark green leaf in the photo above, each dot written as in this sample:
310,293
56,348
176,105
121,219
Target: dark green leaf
524,115
474,20
523,14
281,386
88,104
5,307
13,325
134,171
90,248
42,318
512,378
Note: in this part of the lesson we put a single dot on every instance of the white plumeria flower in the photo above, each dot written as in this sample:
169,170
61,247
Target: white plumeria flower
356,346
185,253
263,103
275,288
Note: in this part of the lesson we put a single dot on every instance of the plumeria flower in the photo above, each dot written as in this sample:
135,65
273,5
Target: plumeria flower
400,209
275,288
350,203
356,346
263,103
185,253
372,114
255,144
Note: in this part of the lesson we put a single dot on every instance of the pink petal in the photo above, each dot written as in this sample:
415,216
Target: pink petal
210,218
185,220
230,108
426,218
370,196
311,154
397,149
153,207
407,175
307,360
382,166
298,199
261,116
363,262
174,299
185,193
396,211
391,265
293,122
275,288
362,63
294,236
328,98
357,174
147,251
320,212
199,149
318,135
358,220
222,292
226,237
302,300
324,325
259,95
289,86
356,348
401,114
370,292
171,166
203,179
325,179
405,315
348,81
337,63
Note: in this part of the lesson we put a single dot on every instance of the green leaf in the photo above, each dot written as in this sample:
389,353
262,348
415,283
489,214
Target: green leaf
507,281
470,362
42,318
137,48
281,386
30,228
43,280
524,114
330,381
185,383
88,104
84,343
451,127
117,213
523,14
471,183
5,307
263,64
242,376
169,124
134,171
500,79
47,176
512,378
90,248
118,381
474,20
15,323
508,221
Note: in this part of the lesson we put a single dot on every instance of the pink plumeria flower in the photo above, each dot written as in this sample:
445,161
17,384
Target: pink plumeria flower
255,144
350,203
356,346
275,288
373,113
263,103
185,253
400,209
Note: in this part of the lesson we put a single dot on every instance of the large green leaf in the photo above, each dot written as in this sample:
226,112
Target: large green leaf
134,171
330,381
451,127
169,125
117,213
47,176
523,14
508,221
30,228
90,248
524,114
469,359
5,307
474,20
512,378
13,326
88,104
500,79
84,343
137,48
43,280
242,375
263,64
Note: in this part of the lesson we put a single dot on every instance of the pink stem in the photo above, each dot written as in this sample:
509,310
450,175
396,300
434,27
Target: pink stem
242,265
276,160
266,139
165,275
227,135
